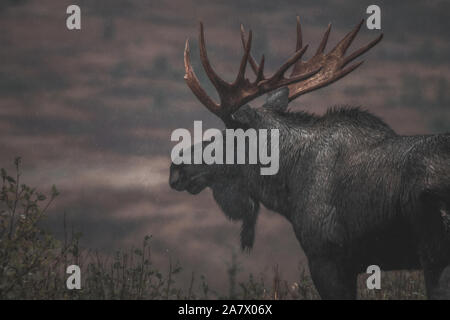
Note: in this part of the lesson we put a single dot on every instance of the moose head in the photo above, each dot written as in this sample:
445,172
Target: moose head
233,186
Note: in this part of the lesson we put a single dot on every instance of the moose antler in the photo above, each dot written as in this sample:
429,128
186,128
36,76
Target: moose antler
234,95
332,64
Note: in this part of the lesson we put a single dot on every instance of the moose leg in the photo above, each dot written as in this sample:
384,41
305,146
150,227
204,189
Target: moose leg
432,274
443,292
434,242
434,259
331,279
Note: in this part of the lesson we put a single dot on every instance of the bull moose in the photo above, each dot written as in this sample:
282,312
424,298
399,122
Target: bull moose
355,192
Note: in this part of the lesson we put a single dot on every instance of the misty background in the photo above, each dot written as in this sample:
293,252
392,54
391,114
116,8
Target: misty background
91,111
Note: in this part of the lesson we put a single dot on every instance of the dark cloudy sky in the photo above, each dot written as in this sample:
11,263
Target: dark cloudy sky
92,110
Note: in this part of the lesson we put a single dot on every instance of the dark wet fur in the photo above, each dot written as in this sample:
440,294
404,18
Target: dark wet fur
355,192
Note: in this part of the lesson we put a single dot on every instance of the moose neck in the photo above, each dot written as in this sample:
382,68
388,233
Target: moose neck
295,133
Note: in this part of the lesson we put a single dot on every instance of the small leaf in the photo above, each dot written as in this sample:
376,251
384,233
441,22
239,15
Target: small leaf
41,197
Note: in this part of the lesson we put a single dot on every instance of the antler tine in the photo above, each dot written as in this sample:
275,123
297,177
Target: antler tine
347,70
332,63
213,77
194,84
252,60
296,57
294,60
298,46
247,47
299,77
324,41
299,43
343,45
278,76
260,73
258,69
362,50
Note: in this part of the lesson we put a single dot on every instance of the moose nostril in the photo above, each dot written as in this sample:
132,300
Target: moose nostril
174,177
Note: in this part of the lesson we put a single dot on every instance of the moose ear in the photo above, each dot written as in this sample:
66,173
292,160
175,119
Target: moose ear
278,99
